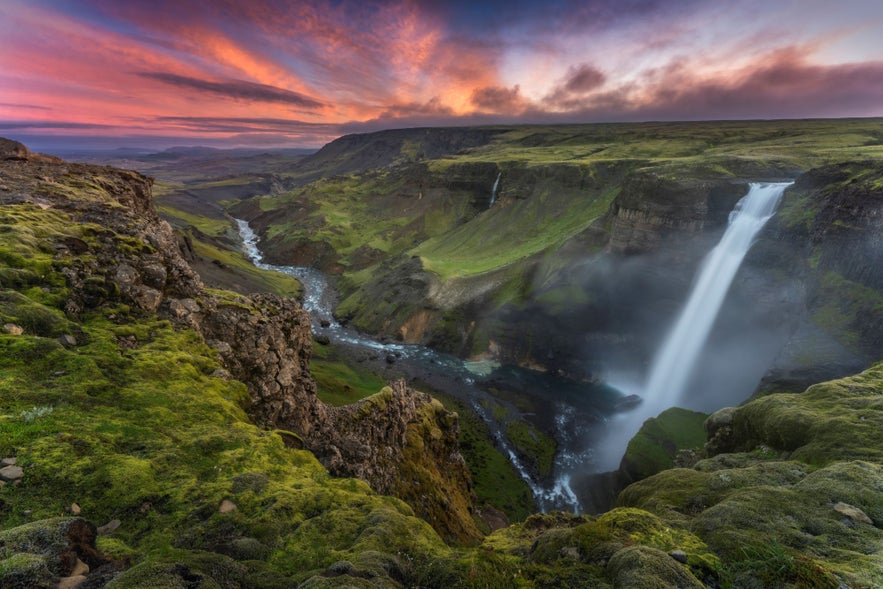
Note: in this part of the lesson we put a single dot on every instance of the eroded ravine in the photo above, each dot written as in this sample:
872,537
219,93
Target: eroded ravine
568,412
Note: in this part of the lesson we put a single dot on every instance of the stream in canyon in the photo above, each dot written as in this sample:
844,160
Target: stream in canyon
592,422
576,409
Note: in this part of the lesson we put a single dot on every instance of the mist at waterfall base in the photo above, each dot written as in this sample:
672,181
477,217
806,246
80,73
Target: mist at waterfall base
717,349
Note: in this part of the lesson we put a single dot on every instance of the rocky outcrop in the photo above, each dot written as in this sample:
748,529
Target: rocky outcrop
405,444
127,254
826,239
12,150
400,441
264,341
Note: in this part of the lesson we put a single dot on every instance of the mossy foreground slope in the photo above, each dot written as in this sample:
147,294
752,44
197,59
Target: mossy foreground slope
118,412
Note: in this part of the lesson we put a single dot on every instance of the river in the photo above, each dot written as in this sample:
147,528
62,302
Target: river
575,410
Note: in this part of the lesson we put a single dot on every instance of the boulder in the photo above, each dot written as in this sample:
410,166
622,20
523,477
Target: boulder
13,329
13,150
11,473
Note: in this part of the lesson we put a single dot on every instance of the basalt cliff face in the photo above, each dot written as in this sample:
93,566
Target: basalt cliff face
400,442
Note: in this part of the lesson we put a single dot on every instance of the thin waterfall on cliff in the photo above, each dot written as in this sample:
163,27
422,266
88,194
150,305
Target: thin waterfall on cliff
494,189
676,359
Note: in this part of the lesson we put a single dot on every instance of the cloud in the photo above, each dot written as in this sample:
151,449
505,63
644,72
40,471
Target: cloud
432,107
245,125
499,99
24,106
237,89
583,78
781,83
571,91
15,125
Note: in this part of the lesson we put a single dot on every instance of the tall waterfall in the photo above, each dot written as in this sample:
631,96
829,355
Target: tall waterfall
674,363
494,189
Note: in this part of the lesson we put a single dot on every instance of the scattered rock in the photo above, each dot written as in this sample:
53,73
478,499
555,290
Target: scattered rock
68,341
569,553
852,512
719,431
11,473
227,506
13,329
390,359
109,528
323,339
679,555
341,567
71,582
7,462
325,323
221,373
75,509
80,568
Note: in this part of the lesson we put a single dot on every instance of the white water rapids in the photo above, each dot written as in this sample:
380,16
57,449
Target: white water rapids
676,360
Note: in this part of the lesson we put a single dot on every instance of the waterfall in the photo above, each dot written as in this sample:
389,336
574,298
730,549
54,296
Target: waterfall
674,364
494,189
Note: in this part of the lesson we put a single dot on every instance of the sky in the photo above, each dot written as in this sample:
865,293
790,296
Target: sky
285,73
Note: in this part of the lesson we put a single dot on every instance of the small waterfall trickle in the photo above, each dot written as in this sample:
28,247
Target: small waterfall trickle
494,189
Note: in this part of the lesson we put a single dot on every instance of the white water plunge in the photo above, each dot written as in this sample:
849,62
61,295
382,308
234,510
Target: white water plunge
674,363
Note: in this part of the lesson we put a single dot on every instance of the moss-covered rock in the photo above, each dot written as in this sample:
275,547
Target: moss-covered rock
659,440
836,420
34,554
641,567
800,504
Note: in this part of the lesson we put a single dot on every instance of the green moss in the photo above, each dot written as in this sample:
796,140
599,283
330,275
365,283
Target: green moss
836,420
23,571
660,438
847,308
502,236
773,521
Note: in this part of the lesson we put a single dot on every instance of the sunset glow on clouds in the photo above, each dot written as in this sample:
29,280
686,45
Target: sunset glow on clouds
299,73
